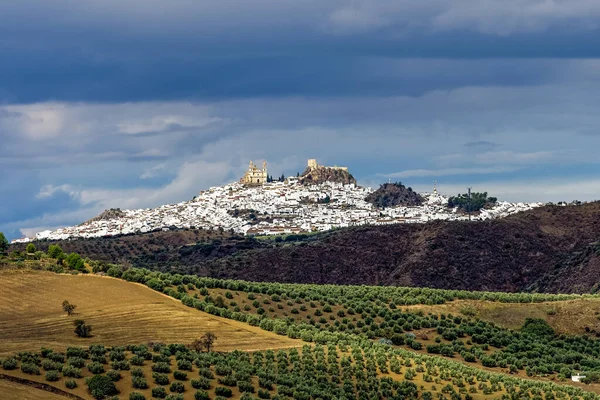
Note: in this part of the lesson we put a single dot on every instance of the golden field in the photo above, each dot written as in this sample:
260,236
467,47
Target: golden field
120,313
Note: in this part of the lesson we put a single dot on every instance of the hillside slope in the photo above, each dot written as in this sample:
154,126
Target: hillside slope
547,249
120,313
528,251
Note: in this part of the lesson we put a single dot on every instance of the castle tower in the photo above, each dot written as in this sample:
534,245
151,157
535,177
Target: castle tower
312,163
435,187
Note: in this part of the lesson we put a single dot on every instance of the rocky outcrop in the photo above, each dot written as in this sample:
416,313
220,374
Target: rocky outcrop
394,194
320,174
107,215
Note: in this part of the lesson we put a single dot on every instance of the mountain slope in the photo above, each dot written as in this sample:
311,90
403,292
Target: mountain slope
545,249
521,252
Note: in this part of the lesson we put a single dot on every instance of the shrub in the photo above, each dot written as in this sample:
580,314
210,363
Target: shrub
159,392
206,373
246,387
120,365
265,383
223,391
228,380
96,368
161,367
139,382
177,387
71,371
137,360
137,372
52,376
201,395
201,383
82,329
101,386
222,369
117,355
9,364
57,357
155,284
538,327
71,384
114,376
160,379
174,397
184,365
45,352
76,352
264,394
180,375
77,362
136,396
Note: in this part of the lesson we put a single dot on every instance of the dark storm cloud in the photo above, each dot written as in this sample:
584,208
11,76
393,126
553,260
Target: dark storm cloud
151,50
135,103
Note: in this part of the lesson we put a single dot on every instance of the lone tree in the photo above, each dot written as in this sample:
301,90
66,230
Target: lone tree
68,307
208,339
204,343
3,243
30,248
55,251
82,329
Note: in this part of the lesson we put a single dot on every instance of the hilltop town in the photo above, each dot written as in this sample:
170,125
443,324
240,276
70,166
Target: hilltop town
258,205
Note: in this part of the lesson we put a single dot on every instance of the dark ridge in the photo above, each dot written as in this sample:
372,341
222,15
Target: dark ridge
549,249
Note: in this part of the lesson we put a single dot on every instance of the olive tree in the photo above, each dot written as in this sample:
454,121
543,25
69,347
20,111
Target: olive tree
68,307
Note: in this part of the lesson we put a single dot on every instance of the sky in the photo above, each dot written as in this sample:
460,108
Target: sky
138,103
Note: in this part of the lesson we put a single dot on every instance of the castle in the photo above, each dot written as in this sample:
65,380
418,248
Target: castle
254,175
312,164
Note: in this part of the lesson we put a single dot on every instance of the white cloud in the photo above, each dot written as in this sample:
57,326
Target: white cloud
191,177
154,171
420,173
47,191
165,123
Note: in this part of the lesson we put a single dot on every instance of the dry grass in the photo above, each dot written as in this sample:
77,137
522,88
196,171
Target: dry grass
120,313
570,317
16,391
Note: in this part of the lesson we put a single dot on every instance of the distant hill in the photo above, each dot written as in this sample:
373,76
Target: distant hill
394,194
551,249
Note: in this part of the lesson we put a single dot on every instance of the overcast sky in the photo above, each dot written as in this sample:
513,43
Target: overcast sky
137,103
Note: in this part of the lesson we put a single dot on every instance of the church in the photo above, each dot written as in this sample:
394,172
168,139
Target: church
254,175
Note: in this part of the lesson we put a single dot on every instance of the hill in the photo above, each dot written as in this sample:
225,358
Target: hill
16,391
394,194
520,252
120,313
388,357
546,249
321,174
